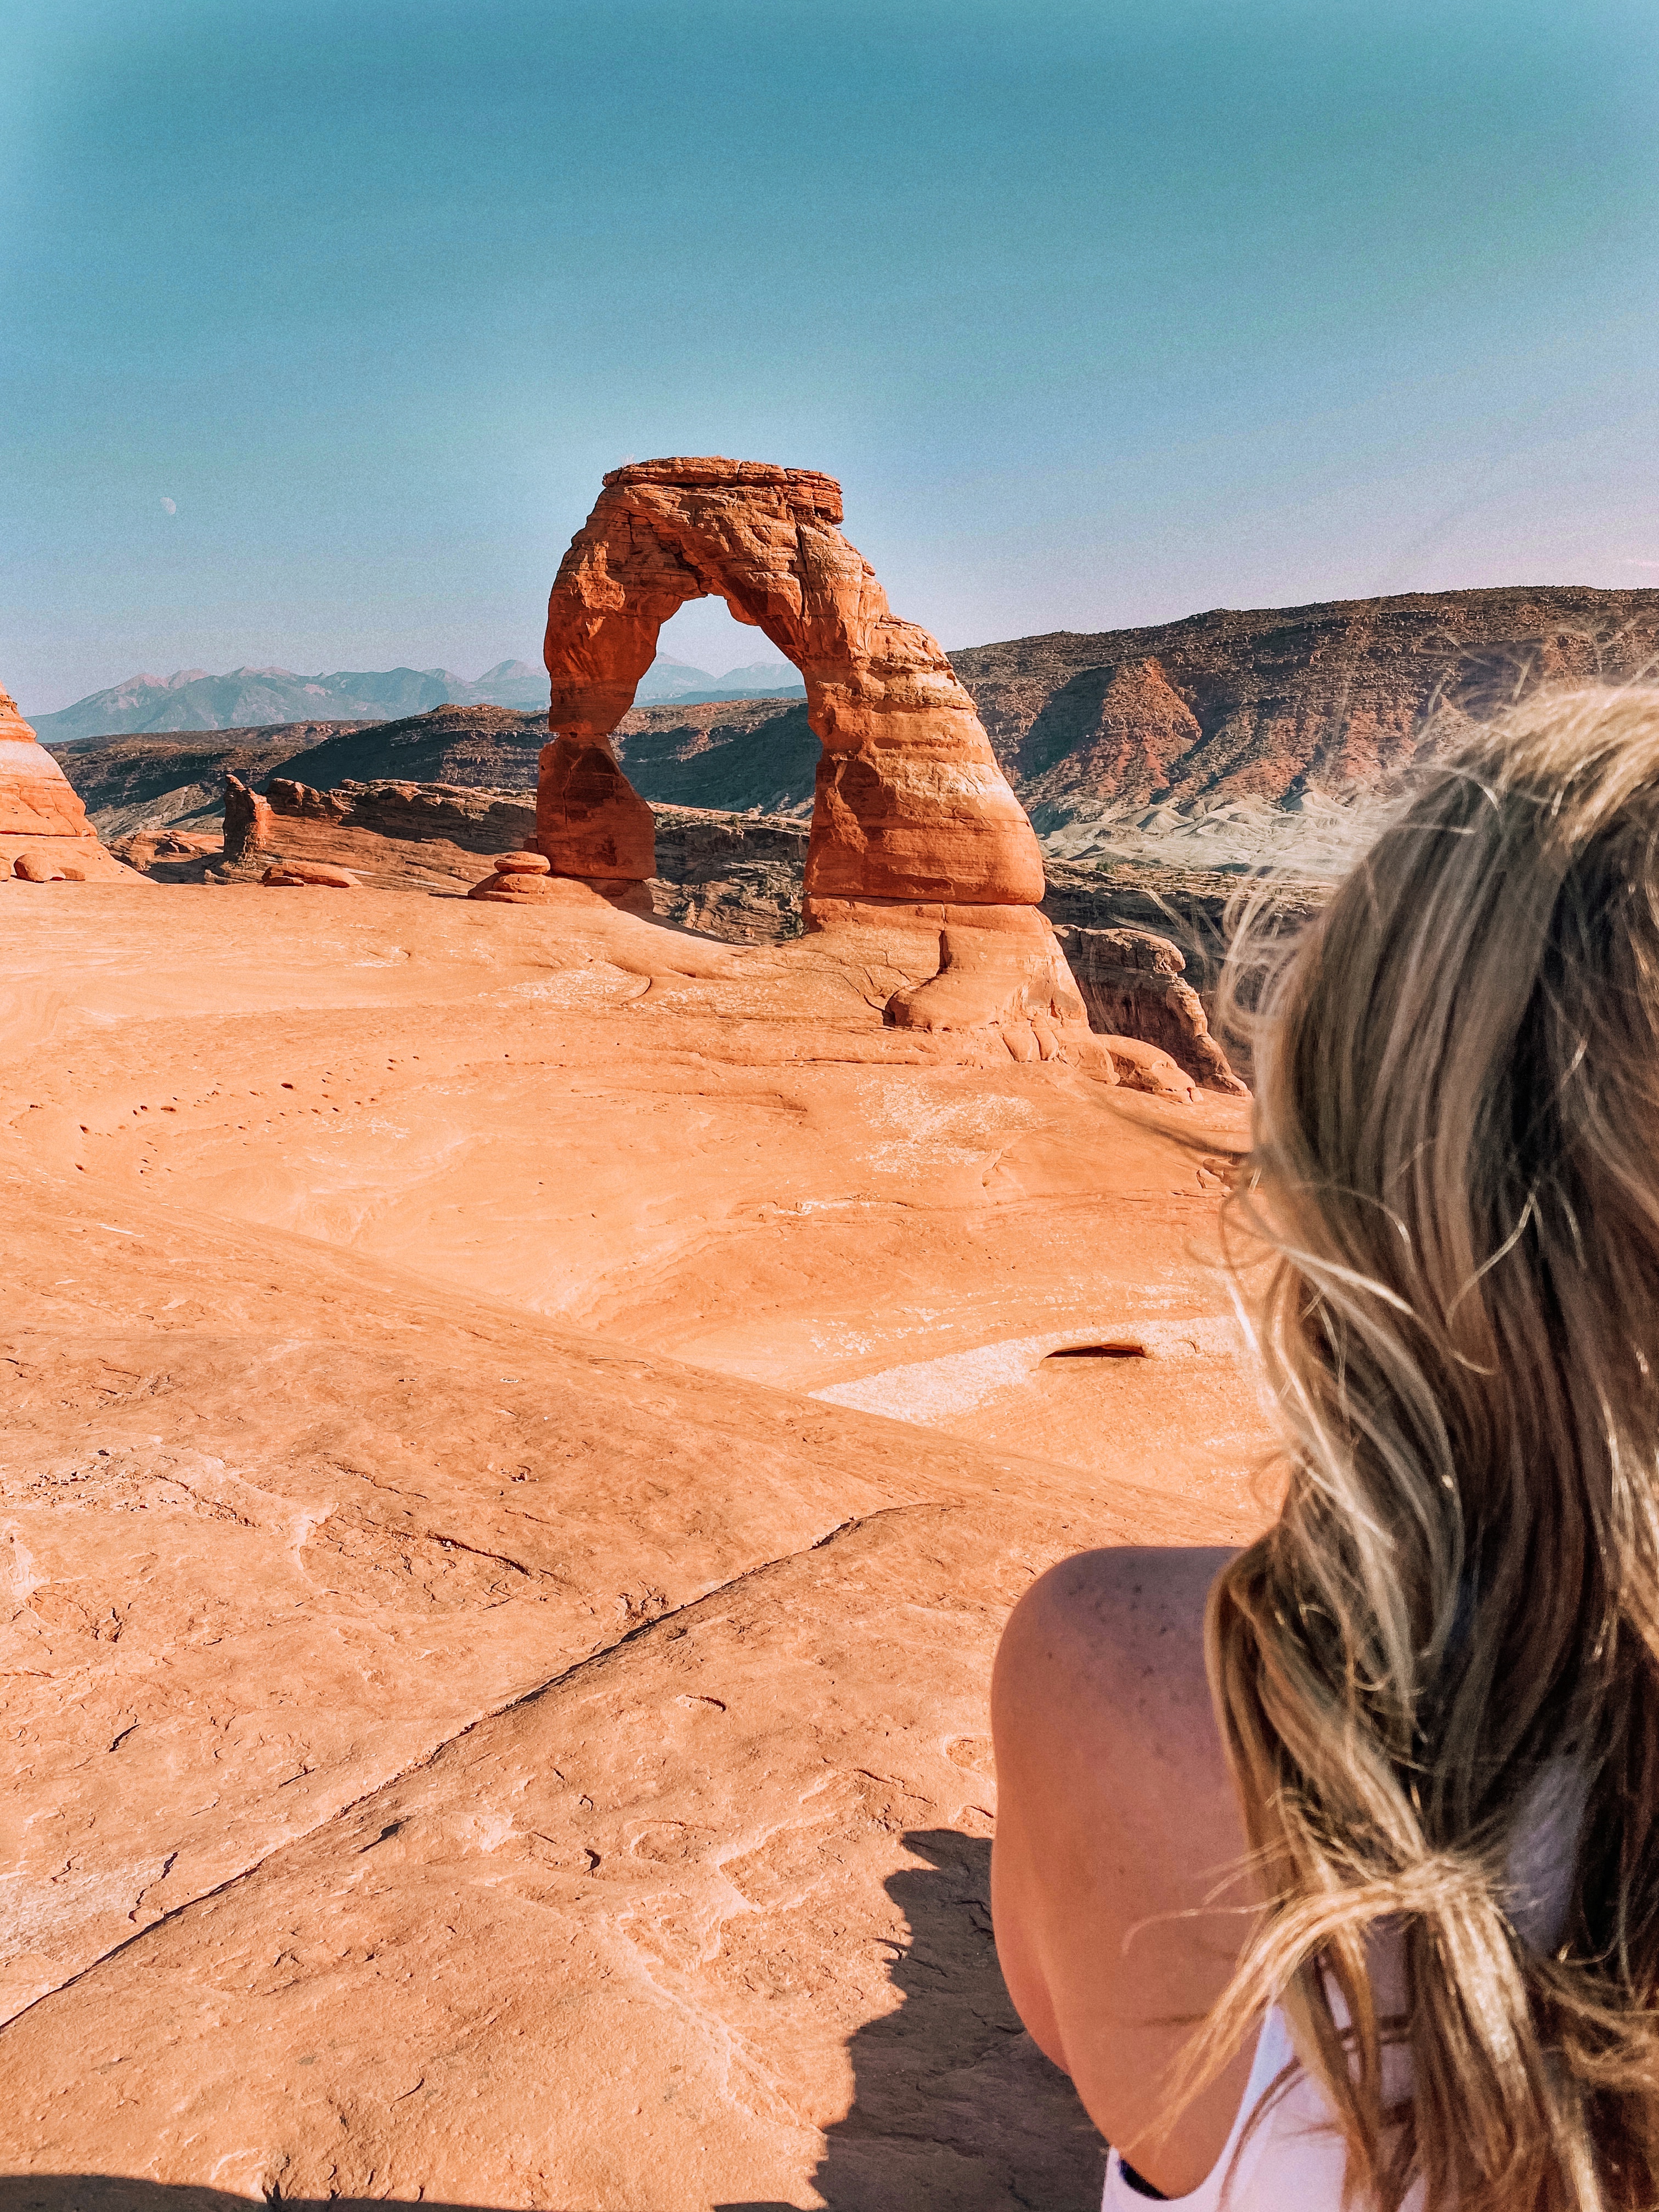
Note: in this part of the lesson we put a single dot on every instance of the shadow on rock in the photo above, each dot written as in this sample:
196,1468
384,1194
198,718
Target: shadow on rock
954,2107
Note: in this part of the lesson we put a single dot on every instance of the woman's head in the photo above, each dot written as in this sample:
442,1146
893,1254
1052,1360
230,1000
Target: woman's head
1456,1180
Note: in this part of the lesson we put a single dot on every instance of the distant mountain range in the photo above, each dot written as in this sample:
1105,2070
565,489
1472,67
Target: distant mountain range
252,698
676,683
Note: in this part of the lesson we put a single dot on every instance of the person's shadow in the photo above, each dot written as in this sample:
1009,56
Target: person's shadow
954,2107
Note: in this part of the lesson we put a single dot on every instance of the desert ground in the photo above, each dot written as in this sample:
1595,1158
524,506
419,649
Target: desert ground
524,1426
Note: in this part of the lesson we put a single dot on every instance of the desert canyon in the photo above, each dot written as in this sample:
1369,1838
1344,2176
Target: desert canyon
533,1388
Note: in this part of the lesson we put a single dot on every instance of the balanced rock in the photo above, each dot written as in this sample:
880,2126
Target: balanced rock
42,821
523,864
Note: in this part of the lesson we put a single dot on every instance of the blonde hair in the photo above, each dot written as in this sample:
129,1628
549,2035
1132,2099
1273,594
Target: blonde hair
1455,1182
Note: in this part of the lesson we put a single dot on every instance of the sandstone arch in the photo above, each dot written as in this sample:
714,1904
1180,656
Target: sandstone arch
915,834
910,805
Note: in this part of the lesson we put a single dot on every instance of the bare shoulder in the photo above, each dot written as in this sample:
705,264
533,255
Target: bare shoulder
1116,1637
1117,1833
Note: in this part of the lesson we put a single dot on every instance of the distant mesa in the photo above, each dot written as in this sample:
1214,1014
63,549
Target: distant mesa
44,835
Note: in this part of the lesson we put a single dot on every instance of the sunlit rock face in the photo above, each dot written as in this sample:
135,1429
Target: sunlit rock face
910,805
915,832
44,835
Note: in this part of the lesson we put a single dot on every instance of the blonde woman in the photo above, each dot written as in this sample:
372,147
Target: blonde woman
1329,1869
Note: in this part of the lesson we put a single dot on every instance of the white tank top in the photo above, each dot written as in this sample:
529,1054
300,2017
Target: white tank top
1296,2160
1293,2162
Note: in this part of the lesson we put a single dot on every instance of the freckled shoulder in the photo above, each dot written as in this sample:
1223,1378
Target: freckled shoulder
1110,1644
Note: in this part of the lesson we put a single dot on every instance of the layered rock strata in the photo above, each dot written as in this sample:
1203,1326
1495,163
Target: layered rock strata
1133,985
44,835
1265,704
914,830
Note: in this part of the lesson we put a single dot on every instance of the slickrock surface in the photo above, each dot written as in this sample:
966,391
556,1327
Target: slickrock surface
524,1429
44,835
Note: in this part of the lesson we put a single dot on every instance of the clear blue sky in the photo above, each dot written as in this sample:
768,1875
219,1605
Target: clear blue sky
1103,312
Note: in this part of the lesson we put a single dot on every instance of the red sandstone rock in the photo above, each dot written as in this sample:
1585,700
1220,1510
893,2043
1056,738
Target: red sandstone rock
35,795
596,894
909,802
1142,1066
910,810
321,1456
523,864
299,800
39,810
590,819
250,825
33,866
295,873
1132,982
1009,968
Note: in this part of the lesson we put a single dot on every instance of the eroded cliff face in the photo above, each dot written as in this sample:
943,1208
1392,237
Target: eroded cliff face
44,835
1269,703
1259,706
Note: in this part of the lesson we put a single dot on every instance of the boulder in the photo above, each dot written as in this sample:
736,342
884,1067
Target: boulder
33,866
296,874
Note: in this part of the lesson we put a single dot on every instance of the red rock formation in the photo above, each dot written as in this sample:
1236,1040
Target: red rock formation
1133,985
250,825
288,875
909,802
44,835
915,832
36,864
305,803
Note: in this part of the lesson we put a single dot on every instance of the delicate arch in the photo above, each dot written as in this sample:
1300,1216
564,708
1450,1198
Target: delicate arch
909,805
